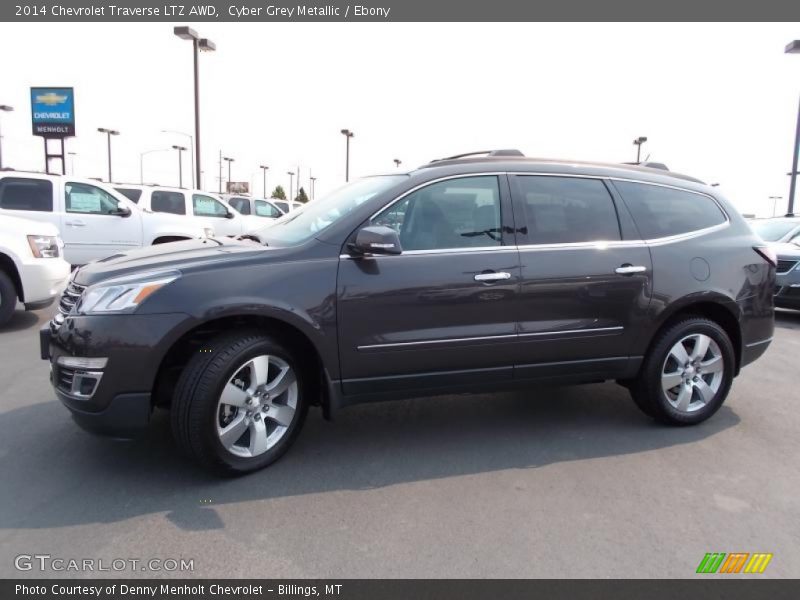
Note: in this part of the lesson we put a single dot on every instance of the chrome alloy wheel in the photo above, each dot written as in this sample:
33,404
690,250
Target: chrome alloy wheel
257,406
692,372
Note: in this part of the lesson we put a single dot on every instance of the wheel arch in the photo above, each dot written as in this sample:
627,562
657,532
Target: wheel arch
166,238
292,336
8,266
718,308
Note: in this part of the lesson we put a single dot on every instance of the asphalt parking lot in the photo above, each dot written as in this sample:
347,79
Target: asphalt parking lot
570,482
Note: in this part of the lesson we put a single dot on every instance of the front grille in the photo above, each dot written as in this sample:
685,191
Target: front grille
784,266
67,301
64,378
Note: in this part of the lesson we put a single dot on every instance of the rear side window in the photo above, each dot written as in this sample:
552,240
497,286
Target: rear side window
265,209
567,210
131,194
241,205
663,212
168,202
18,193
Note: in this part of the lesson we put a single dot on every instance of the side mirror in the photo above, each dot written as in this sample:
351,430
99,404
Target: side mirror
229,215
122,211
377,239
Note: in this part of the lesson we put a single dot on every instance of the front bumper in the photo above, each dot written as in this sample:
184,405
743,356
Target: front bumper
113,400
42,280
787,285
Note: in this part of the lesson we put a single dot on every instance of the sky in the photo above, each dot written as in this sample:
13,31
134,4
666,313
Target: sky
716,101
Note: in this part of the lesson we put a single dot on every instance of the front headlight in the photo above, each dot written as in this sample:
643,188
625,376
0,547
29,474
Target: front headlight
45,246
124,293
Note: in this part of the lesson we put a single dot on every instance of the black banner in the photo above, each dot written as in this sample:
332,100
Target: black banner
732,588
398,11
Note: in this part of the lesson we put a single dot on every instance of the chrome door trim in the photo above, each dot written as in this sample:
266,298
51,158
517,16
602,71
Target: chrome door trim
568,331
439,341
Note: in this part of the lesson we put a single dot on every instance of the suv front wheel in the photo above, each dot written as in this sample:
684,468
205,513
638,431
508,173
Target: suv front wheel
687,373
239,403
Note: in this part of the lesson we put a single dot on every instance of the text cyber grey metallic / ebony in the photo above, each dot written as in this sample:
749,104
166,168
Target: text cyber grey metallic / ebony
469,274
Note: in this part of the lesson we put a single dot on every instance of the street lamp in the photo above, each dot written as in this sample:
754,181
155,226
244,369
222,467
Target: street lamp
794,48
774,203
638,143
397,162
72,156
229,160
109,133
180,150
313,186
3,108
264,169
198,45
141,161
191,148
347,134
291,183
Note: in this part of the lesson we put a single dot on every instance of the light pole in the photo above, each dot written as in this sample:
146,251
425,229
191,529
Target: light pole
180,150
291,183
794,48
229,160
198,45
109,133
141,161
347,134
397,162
264,169
638,143
3,108
313,186
775,203
191,151
72,156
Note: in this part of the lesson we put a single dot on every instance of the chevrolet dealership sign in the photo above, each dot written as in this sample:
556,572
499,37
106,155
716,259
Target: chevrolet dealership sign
53,112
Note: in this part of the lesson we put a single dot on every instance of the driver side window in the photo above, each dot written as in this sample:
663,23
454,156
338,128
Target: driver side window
451,214
88,199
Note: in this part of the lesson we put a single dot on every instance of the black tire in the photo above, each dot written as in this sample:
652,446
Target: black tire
646,389
8,298
195,402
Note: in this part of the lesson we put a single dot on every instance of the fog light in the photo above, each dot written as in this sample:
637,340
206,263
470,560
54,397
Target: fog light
79,362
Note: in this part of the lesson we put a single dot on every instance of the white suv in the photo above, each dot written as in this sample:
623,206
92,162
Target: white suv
94,220
31,267
202,208
254,209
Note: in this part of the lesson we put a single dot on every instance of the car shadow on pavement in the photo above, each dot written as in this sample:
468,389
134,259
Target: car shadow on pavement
21,320
75,478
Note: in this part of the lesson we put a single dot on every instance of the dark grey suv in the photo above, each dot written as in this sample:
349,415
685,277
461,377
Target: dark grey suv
468,274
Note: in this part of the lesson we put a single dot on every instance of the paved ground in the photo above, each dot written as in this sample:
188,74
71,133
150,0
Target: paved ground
570,482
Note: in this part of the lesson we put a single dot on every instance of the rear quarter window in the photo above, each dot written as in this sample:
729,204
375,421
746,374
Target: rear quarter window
168,202
20,193
662,212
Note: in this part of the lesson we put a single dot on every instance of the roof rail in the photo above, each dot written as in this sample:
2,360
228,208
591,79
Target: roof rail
505,152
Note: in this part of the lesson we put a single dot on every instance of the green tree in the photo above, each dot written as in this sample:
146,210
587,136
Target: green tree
278,193
301,196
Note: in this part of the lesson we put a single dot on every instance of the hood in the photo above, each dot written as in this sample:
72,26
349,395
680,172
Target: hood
26,226
786,250
174,255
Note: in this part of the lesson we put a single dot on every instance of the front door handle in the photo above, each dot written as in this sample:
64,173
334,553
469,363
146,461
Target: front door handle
629,269
75,223
489,277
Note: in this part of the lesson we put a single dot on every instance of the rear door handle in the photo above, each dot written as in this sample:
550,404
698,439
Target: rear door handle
75,223
630,269
489,277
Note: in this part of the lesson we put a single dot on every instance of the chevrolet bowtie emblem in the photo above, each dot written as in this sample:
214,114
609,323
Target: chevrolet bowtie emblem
51,99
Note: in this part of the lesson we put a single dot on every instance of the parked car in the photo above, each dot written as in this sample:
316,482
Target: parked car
468,274
787,284
285,205
32,270
257,208
777,229
203,209
93,219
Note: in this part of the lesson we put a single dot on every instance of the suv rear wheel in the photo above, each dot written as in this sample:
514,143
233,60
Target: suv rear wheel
239,403
687,373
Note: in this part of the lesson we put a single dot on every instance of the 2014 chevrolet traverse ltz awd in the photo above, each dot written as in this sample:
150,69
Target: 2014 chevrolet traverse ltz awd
469,274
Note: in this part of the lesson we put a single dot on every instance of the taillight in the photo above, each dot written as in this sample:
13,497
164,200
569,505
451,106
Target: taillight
768,254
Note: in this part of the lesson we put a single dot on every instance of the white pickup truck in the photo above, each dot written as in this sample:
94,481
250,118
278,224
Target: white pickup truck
94,220
32,270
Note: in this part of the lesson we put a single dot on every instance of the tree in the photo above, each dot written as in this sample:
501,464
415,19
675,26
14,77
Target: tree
278,193
301,196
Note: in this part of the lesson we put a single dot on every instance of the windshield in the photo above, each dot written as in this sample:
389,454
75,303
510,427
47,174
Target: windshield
305,223
772,231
